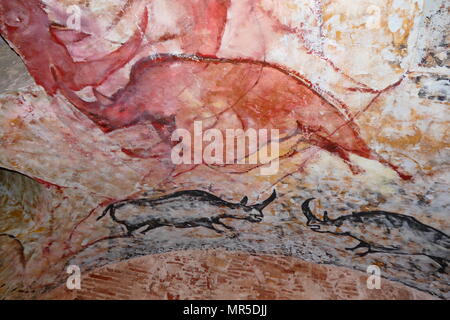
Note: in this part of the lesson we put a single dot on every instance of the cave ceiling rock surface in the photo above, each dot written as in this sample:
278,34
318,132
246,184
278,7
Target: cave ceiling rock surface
85,132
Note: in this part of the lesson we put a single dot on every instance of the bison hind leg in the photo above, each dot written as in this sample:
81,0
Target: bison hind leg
345,156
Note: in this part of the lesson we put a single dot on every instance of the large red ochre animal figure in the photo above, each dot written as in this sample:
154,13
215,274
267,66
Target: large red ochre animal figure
172,91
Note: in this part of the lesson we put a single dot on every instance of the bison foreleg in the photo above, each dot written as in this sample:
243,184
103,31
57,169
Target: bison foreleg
149,227
232,234
361,244
214,228
211,225
204,222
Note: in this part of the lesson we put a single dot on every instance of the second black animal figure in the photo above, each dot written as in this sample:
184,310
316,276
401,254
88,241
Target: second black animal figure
385,232
185,209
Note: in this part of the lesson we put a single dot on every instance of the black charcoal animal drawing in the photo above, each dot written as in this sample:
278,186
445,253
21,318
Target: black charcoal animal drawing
385,232
185,209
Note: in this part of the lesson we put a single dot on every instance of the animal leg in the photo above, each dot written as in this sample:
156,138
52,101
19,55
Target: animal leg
231,234
165,127
330,146
149,227
129,230
441,262
362,244
214,228
207,223
363,254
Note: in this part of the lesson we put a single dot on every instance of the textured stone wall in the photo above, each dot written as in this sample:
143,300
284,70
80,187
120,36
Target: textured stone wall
227,275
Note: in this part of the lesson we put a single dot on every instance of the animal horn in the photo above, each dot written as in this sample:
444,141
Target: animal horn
308,213
105,212
266,202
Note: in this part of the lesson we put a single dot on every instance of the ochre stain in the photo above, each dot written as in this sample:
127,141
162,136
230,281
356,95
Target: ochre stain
402,141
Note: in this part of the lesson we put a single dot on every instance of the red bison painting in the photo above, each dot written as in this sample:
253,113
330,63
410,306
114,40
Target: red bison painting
170,91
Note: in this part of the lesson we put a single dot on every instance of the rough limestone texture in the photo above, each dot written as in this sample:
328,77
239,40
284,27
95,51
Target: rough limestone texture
386,61
229,275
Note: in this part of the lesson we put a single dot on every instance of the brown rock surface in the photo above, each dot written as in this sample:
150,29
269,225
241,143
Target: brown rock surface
62,171
226,275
